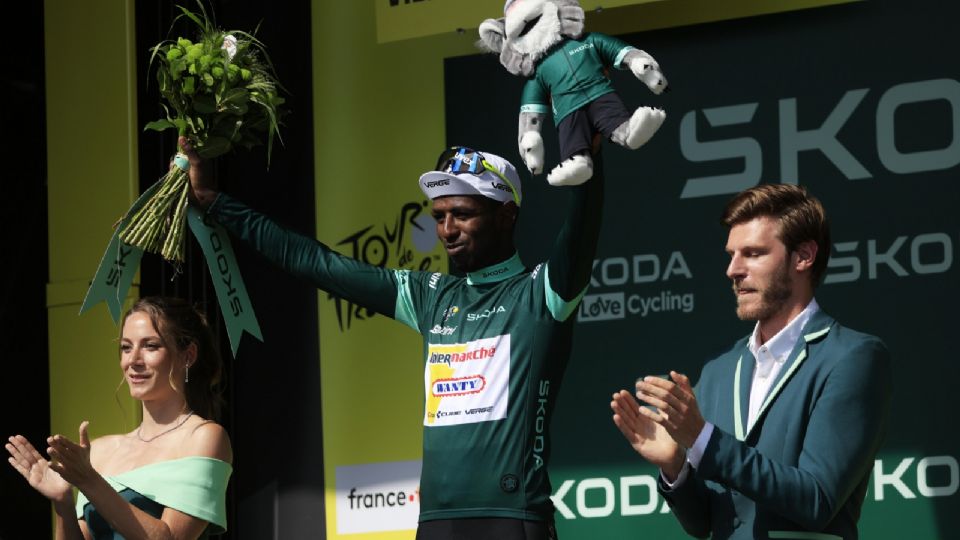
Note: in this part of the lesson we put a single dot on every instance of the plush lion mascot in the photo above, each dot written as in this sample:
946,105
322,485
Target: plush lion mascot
543,40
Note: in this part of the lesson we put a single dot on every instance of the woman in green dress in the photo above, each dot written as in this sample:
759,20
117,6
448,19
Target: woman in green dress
168,477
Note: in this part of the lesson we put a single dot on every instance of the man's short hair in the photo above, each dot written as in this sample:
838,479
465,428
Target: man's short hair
801,217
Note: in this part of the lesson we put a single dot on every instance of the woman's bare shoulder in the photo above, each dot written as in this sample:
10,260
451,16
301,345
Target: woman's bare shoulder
209,439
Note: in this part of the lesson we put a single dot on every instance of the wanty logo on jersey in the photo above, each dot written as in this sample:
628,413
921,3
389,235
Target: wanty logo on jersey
406,243
459,386
628,273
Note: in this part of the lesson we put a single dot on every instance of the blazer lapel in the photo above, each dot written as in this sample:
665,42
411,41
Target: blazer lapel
816,328
742,381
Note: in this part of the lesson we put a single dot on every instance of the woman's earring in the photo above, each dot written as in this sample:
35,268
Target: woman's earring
187,378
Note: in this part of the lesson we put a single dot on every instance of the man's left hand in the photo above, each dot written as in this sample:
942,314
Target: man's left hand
677,409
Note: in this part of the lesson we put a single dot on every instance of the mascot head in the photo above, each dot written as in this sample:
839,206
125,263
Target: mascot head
528,29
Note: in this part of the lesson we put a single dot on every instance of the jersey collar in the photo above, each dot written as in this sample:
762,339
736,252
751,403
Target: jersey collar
497,272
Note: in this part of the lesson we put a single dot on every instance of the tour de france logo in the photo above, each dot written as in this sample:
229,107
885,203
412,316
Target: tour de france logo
406,241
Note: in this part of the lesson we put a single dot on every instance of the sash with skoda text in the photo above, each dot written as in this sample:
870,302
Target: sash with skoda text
120,262
117,267
232,295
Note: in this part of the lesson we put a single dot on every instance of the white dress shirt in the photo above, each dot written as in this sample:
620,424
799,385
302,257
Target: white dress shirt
771,356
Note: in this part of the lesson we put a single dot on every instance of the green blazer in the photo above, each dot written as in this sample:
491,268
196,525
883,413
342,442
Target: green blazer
802,471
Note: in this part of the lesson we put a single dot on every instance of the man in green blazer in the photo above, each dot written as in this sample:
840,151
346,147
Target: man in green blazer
779,437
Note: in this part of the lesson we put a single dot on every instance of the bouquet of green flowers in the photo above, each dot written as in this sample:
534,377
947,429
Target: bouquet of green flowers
220,91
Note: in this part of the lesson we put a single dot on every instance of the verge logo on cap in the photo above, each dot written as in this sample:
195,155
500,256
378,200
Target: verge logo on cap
462,171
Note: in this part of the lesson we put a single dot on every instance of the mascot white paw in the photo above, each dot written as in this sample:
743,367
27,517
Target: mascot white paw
531,149
642,125
572,172
645,68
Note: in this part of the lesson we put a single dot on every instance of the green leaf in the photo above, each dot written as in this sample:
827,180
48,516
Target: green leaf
165,81
192,15
235,96
159,125
235,101
214,146
204,104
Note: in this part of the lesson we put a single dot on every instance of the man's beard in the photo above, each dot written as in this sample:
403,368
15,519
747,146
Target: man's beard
772,298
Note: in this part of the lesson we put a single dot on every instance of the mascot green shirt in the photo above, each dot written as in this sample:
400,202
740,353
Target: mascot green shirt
573,75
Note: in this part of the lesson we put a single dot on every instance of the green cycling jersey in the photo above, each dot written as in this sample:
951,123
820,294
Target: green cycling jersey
495,347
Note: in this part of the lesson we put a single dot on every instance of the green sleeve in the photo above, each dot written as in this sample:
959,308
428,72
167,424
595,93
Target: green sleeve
405,310
690,504
534,98
611,49
571,262
370,286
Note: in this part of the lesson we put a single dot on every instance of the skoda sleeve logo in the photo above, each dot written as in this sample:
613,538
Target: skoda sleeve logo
509,483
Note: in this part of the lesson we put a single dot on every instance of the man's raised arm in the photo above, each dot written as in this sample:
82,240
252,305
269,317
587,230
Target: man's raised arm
361,283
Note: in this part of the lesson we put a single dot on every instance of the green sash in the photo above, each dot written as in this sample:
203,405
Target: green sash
231,292
121,261
117,267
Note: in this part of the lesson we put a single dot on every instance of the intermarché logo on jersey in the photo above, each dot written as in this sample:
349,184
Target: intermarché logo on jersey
456,354
402,242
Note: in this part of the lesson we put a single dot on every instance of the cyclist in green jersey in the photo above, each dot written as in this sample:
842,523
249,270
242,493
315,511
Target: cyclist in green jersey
495,342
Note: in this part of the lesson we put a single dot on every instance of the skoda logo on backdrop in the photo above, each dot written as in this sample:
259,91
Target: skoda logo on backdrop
637,286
